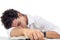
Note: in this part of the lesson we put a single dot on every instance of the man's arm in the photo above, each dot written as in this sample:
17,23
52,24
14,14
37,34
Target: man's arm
16,32
52,34
45,26
32,34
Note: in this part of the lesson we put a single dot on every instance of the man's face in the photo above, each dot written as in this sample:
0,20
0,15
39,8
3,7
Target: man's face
20,21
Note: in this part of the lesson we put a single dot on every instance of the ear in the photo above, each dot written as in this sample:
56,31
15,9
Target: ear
26,19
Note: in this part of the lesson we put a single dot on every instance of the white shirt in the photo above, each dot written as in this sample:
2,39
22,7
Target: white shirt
41,24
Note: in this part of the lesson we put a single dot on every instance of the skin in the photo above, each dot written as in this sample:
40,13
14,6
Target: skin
21,23
32,34
52,34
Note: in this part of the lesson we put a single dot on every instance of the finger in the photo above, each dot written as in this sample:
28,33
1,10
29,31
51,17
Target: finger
40,35
35,36
29,35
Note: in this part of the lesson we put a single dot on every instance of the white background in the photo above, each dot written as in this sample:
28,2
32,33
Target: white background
47,9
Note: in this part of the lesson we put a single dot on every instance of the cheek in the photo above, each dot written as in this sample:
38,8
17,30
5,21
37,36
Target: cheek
23,20
14,24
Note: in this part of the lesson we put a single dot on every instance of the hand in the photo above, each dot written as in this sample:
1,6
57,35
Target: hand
33,34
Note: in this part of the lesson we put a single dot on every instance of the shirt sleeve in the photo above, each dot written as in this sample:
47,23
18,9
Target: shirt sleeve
43,25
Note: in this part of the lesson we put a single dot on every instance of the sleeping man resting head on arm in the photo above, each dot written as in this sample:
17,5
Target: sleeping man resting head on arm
18,22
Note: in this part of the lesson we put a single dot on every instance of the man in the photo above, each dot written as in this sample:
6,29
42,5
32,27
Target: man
15,21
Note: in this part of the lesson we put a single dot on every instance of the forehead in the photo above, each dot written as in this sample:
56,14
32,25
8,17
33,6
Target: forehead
17,20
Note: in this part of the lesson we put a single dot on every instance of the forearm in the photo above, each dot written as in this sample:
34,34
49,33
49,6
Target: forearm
16,32
52,34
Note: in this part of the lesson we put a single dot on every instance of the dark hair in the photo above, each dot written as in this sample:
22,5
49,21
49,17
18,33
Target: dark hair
8,16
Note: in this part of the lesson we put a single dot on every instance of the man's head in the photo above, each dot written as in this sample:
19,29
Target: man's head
13,18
